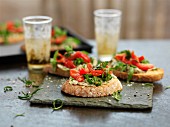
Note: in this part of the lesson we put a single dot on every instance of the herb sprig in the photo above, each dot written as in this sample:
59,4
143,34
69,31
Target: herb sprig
117,96
8,88
27,83
57,101
28,96
17,115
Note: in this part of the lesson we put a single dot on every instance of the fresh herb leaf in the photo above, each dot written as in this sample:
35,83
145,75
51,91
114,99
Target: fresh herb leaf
59,101
27,96
53,61
8,88
17,115
78,61
59,32
147,84
72,39
167,87
85,52
145,61
69,51
28,83
130,73
127,52
117,96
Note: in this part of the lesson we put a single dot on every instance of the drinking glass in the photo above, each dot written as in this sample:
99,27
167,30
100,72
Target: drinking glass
37,33
107,30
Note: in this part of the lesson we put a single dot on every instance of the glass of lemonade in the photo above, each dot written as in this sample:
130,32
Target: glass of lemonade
37,32
107,29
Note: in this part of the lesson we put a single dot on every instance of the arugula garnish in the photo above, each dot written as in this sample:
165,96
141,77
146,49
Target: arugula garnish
167,87
117,96
69,51
27,83
28,96
101,65
72,39
59,32
78,61
8,88
130,73
145,61
53,60
127,52
57,101
17,115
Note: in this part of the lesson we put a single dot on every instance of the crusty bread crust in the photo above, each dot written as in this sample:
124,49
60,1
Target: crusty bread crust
149,76
13,38
58,71
92,91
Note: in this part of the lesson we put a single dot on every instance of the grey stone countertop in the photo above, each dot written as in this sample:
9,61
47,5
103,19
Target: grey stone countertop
157,51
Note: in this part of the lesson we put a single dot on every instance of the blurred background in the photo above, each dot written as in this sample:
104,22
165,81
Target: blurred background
141,19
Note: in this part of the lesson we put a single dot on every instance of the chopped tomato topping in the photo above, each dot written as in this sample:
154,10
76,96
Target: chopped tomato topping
83,71
79,54
80,78
97,72
69,63
60,39
134,60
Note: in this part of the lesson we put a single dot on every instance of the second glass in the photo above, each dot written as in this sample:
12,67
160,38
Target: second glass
37,31
107,29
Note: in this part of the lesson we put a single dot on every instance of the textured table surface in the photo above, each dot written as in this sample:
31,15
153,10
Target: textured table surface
157,51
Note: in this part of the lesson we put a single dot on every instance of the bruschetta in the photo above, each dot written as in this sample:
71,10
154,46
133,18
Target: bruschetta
89,81
128,66
61,64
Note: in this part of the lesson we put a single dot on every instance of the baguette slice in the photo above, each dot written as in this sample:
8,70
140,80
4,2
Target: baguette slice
149,76
91,90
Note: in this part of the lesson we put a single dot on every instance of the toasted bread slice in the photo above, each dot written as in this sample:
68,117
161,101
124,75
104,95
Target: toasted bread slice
149,76
13,38
59,71
91,90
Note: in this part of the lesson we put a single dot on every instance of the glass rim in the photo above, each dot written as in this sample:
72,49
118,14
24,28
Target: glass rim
108,13
44,19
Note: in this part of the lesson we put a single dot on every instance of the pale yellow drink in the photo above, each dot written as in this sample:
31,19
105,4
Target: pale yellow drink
106,45
38,53
107,29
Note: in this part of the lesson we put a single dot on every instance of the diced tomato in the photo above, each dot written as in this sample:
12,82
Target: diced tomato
52,32
141,58
19,30
74,73
97,72
69,63
134,57
83,71
89,66
144,67
60,39
120,56
10,25
60,58
80,78
79,54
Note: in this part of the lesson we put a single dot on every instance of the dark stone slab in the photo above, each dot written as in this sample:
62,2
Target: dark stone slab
134,95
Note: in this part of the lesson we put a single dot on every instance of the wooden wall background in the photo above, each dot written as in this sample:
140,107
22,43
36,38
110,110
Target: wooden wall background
141,19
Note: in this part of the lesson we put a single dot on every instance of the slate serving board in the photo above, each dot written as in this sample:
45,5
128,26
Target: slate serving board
134,95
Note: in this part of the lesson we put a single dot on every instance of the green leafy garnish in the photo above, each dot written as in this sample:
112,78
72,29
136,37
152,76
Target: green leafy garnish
27,96
53,60
78,61
101,65
69,51
17,115
27,83
8,88
145,61
127,52
57,101
167,87
72,39
130,73
59,32
85,52
117,96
